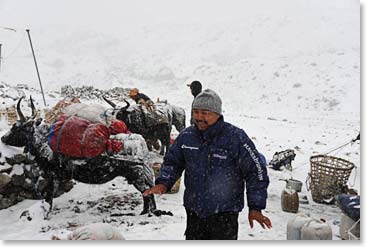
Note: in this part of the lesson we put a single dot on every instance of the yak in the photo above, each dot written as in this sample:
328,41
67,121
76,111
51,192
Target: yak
56,168
152,129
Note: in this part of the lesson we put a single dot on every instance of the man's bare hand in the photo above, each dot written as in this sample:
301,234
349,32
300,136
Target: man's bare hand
157,189
259,217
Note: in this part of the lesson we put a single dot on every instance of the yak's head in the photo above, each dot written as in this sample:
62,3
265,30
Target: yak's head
23,129
121,113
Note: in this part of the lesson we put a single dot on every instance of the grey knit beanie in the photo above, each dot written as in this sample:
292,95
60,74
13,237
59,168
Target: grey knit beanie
208,100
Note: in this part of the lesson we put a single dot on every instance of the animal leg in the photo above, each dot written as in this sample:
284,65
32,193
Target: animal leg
51,189
149,145
165,145
149,204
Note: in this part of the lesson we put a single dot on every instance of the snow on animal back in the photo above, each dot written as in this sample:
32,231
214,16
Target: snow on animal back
133,144
92,112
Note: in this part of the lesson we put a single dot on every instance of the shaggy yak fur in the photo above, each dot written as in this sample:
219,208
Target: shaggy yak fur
152,129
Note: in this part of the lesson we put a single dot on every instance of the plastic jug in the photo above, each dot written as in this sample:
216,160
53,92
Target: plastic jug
316,230
294,226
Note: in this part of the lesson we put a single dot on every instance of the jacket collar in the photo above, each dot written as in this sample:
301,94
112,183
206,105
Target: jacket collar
213,131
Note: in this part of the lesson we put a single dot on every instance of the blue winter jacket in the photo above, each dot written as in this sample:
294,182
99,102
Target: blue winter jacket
217,163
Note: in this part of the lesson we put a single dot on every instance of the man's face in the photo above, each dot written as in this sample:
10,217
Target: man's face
204,118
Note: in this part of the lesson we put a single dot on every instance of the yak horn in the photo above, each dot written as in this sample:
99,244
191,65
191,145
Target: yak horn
127,105
20,114
109,102
34,112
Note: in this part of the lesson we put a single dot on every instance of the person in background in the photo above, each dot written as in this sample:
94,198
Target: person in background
195,88
219,161
141,98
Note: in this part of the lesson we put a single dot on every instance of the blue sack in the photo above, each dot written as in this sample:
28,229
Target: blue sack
350,205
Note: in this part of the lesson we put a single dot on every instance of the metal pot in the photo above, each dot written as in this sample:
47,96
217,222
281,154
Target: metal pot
293,184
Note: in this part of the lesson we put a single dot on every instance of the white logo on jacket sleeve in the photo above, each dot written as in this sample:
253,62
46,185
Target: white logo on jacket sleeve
183,146
256,160
222,157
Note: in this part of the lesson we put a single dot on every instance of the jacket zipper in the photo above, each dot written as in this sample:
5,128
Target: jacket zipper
206,187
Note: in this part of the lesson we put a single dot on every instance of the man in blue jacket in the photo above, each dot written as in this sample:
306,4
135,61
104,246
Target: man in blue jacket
219,159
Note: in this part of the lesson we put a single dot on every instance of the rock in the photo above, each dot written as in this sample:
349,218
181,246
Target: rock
26,214
42,183
16,159
89,92
28,184
67,91
26,195
4,179
68,185
77,210
6,202
6,168
303,199
18,180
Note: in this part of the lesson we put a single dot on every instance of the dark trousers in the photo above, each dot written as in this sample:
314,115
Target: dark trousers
222,226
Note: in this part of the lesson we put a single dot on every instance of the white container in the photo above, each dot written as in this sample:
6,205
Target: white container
345,224
316,230
294,226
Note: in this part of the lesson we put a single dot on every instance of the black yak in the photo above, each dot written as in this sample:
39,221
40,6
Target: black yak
31,134
155,125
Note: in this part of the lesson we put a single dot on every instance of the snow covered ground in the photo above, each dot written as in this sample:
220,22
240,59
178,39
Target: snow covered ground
288,72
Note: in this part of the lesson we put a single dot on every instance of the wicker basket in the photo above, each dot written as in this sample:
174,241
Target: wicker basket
329,176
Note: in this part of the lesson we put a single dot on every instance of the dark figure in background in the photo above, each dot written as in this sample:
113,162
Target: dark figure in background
137,96
219,160
141,98
195,88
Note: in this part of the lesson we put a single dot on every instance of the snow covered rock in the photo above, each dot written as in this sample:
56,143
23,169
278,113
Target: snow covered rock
23,180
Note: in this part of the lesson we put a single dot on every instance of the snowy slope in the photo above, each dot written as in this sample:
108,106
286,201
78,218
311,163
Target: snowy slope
288,72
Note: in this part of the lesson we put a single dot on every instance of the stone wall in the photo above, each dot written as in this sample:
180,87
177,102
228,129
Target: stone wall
21,178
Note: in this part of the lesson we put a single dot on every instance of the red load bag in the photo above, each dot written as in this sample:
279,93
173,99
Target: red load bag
117,127
79,138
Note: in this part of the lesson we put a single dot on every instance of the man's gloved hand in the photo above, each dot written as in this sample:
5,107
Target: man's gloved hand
259,217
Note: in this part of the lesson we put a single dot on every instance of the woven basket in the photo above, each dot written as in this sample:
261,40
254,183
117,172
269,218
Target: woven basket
329,176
